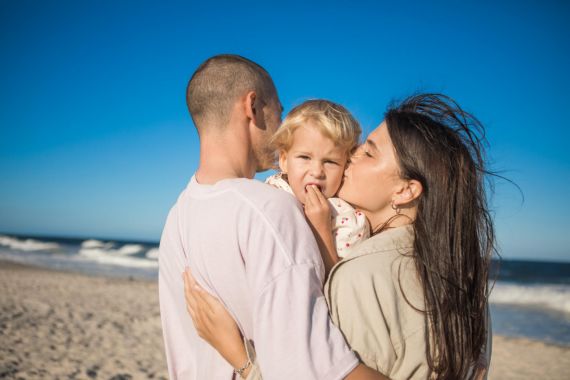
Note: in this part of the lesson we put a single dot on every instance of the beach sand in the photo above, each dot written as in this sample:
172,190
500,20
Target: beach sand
56,325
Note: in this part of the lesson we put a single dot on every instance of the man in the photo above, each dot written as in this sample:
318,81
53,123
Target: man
247,243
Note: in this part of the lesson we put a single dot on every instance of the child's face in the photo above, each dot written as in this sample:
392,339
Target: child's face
313,159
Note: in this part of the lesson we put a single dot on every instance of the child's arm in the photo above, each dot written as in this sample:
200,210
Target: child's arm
318,212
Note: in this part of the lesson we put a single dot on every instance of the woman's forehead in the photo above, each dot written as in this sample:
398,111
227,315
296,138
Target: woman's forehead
378,135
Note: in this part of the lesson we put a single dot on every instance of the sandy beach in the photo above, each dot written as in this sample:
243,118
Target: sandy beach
57,325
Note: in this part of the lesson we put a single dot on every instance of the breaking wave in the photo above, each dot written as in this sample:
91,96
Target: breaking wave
27,244
555,297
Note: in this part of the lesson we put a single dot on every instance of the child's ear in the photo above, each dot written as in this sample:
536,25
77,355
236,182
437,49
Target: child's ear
283,161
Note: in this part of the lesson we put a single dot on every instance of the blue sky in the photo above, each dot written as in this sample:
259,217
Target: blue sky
96,139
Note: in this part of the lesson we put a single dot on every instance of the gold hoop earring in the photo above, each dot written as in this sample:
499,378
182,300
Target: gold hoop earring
396,208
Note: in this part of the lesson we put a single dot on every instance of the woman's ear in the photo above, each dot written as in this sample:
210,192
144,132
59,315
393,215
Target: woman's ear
415,189
409,192
283,161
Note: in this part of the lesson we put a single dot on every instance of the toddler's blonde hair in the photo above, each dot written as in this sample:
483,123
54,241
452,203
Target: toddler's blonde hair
333,120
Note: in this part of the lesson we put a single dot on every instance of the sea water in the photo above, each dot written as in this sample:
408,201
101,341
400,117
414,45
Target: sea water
114,258
529,298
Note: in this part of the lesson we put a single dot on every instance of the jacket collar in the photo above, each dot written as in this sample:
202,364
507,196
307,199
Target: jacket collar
400,238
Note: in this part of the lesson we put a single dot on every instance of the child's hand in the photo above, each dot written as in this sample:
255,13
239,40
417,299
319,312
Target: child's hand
318,212
317,209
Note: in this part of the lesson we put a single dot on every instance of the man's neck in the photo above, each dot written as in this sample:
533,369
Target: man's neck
224,156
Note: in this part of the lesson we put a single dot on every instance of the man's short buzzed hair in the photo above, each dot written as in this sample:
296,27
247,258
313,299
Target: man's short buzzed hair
219,82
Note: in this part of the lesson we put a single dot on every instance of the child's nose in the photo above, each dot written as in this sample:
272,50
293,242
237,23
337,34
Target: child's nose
317,170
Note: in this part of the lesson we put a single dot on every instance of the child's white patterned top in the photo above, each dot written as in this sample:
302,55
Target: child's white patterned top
349,226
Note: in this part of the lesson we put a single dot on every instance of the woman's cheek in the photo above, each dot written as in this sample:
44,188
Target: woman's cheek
357,188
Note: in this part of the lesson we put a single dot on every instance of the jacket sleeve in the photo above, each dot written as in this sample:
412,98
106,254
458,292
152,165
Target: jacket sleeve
255,372
387,334
356,309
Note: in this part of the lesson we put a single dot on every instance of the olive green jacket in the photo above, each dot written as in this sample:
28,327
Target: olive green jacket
375,298
368,294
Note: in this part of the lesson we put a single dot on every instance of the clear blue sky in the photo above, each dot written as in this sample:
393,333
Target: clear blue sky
96,139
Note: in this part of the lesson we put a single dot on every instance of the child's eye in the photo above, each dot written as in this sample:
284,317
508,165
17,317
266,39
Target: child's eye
331,162
303,157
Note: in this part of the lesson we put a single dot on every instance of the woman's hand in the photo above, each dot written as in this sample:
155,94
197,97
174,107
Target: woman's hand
214,323
317,209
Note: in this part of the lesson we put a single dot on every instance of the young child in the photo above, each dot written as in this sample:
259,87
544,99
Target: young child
314,144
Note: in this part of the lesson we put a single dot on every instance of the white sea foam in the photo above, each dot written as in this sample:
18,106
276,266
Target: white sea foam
129,249
556,297
105,253
27,244
152,254
96,245
115,257
92,243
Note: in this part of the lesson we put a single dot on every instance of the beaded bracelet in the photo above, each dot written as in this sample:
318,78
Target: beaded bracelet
242,369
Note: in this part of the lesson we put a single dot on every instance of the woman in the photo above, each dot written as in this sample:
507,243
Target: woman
412,299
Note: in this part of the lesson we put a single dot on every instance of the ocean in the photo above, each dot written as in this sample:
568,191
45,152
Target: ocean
530,299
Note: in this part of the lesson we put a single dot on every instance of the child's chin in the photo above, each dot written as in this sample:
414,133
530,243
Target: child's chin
300,197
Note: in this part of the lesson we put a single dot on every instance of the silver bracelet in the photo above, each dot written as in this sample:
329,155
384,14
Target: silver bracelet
242,369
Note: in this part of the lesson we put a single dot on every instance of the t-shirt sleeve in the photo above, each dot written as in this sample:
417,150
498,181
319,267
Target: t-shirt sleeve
176,325
293,334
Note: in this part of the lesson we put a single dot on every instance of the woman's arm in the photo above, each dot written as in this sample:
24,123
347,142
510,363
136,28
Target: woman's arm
362,372
216,326
318,212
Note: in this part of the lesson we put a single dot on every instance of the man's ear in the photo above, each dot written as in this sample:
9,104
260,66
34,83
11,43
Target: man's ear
283,161
251,106
409,192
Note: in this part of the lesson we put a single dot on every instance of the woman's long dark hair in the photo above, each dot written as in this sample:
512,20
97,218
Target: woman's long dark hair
442,147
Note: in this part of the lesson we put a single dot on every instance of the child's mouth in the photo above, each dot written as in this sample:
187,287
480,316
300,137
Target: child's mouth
314,184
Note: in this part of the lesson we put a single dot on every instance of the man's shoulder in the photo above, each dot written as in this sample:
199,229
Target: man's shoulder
250,198
265,198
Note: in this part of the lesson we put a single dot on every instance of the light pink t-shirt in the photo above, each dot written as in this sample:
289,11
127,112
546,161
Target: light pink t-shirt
248,244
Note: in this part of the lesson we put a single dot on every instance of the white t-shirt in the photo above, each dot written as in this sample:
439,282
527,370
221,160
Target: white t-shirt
249,245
